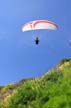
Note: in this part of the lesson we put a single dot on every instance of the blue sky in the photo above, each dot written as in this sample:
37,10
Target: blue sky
19,56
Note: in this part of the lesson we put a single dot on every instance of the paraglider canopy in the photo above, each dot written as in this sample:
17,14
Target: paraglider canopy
39,24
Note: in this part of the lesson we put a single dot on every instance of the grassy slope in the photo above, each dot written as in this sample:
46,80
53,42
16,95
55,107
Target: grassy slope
52,90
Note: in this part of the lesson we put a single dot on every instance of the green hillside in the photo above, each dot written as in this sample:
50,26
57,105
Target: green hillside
52,90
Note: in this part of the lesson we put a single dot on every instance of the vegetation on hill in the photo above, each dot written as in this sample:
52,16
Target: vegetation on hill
52,90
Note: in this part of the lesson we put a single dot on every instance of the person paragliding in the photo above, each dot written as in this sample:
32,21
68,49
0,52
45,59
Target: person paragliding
38,25
37,41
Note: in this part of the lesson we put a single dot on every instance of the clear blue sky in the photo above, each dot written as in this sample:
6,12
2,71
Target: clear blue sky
19,56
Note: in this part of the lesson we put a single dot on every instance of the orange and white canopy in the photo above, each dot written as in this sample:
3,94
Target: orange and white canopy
39,24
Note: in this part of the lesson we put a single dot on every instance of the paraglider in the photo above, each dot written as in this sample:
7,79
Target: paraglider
37,40
38,25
